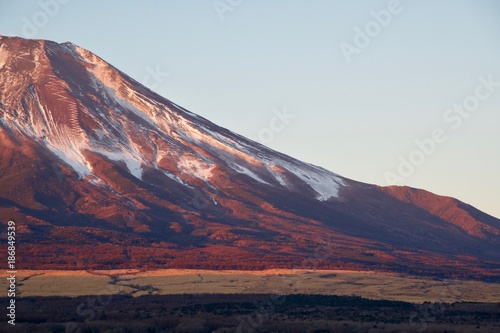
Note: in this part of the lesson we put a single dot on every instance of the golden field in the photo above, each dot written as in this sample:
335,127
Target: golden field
372,285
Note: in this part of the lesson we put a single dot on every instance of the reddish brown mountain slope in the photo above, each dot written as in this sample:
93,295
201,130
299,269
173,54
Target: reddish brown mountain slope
100,172
448,209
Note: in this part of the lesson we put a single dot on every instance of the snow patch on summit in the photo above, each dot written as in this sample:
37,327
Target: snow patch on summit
193,166
73,158
246,171
134,164
4,55
106,113
321,181
325,183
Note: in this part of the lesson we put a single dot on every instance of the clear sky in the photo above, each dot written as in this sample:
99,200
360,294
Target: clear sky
362,81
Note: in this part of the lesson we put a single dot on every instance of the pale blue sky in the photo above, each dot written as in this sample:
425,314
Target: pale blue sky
355,118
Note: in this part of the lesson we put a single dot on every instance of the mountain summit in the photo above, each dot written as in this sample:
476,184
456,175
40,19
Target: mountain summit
100,172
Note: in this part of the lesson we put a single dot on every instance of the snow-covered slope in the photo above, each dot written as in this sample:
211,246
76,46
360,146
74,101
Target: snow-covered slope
99,171
72,101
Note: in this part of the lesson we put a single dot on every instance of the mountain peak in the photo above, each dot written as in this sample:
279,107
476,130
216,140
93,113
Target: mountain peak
90,156
74,103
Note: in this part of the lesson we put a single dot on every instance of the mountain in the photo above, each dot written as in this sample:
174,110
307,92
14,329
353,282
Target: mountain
98,171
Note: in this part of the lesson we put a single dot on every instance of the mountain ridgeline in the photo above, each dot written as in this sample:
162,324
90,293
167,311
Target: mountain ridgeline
98,171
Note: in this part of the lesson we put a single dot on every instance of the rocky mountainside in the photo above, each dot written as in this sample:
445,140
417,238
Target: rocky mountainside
100,172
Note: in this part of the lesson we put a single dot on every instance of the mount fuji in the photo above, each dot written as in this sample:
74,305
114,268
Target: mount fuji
98,171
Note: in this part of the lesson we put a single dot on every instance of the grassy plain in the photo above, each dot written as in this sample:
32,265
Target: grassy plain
371,285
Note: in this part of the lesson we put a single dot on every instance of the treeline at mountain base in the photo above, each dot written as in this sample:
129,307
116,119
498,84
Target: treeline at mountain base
247,313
